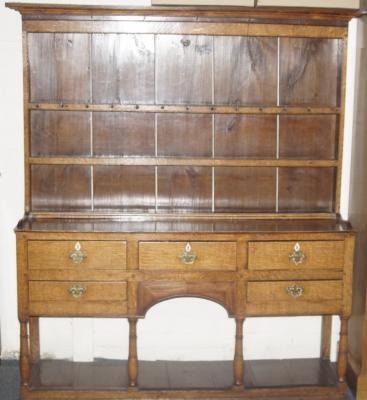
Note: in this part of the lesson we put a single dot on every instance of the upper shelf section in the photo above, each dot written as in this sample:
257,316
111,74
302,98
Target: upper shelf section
176,69
294,15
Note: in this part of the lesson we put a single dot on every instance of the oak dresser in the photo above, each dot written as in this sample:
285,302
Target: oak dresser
175,152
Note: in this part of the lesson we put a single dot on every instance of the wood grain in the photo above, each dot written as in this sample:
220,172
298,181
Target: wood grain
308,137
123,68
123,134
124,188
305,13
133,354
189,109
53,298
183,68
273,28
326,336
34,340
275,255
166,255
291,228
184,135
249,136
157,375
57,188
271,298
153,292
47,254
238,367
155,127
54,133
59,67
307,190
184,189
245,189
276,291
181,161
245,70
310,71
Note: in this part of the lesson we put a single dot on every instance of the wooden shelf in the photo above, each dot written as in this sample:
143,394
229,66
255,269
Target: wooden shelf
175,375
188,223
174,161
189,108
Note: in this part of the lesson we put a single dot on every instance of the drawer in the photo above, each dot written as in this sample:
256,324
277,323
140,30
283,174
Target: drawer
65,254
291,255
77,298
294,297
191,256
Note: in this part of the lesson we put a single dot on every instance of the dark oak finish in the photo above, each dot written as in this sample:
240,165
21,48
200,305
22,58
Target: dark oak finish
331,15
54,133
309,71
61,187
124,188
308,137
184,189
184,135
155,375
59,67
245,189
245,70
123,134
184,69
122,68
306,190
249,136
183,152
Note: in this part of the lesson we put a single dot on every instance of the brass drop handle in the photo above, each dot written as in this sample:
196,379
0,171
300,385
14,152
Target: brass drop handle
77,255
297,256
188,256
77,291
295,291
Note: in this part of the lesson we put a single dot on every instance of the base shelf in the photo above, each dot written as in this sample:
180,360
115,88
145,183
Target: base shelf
176,375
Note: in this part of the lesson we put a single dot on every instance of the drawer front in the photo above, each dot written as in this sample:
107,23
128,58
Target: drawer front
77,298
294,297
45,254
299,255
189,256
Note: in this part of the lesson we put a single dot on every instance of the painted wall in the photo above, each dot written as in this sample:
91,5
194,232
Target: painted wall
179,329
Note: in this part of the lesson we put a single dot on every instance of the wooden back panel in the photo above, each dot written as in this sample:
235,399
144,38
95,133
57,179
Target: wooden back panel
184,117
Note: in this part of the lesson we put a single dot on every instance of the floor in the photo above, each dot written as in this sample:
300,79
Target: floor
9,381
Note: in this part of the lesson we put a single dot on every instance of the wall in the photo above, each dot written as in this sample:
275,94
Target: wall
178,329
358,216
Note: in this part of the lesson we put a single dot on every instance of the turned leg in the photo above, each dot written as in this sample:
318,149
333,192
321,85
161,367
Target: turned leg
34,342
238,369
326,331
133,354
24,355
343,349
